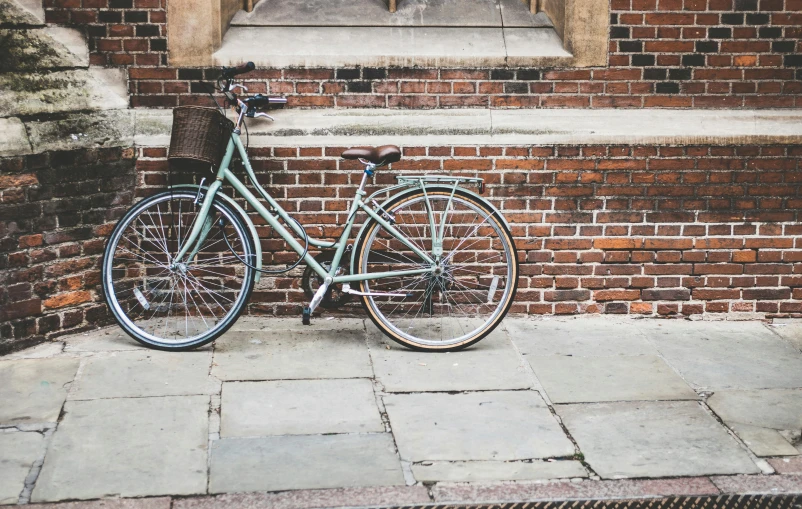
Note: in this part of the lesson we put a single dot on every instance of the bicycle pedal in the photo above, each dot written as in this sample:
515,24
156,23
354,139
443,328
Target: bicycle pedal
306,318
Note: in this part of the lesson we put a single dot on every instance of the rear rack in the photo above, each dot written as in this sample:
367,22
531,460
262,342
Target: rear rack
419,180
414,179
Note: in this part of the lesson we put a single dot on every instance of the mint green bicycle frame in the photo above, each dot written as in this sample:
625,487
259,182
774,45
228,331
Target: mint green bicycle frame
203,224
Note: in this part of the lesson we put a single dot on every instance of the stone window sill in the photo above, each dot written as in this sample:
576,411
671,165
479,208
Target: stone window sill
566,33
392,46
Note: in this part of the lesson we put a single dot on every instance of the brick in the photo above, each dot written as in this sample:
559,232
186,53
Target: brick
608,295
23,180
21,309
766,293
617,243
643,308
567,295
666,294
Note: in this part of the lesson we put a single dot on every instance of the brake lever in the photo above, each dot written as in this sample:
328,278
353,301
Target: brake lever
265,115
237,85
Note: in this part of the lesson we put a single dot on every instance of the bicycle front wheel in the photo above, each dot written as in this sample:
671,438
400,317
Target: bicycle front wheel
470,292
171,304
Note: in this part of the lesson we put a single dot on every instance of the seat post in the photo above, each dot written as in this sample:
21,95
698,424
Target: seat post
370,169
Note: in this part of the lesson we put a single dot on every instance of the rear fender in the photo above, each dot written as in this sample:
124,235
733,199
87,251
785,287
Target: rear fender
412,190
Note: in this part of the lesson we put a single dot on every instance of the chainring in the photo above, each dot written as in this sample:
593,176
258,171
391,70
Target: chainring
311,281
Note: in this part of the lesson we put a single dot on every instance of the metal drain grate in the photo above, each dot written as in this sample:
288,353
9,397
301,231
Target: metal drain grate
721,502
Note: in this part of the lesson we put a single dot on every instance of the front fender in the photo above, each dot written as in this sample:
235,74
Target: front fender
243,215
412,190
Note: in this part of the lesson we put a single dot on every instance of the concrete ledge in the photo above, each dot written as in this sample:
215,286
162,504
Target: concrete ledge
392,46
469,127
504,127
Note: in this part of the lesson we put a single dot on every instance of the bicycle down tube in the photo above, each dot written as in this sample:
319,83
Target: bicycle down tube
225,174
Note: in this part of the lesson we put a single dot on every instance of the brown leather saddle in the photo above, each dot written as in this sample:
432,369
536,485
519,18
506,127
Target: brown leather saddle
379,156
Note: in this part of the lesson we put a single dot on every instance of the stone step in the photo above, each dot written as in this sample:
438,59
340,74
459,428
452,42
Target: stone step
24,13
42,49
34,93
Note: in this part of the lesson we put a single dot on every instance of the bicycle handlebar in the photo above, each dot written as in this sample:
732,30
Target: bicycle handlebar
230,72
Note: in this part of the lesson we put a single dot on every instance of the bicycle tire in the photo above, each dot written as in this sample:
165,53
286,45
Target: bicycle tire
384,324
230,218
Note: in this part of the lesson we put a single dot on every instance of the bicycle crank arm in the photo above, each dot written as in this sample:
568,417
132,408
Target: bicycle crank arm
319,294
347,289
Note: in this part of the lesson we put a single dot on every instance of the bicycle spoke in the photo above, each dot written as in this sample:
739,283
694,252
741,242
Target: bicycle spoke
448,305
168,303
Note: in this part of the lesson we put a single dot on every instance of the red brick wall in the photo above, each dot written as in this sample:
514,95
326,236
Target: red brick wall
600,229
55,211
663,53
652,230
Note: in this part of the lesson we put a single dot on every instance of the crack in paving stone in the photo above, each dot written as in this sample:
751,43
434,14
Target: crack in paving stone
291,379
36,468
570,403
215,402
762,464
538,387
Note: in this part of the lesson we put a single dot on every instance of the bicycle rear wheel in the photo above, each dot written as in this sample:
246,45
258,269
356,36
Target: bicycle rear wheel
469,294
177,306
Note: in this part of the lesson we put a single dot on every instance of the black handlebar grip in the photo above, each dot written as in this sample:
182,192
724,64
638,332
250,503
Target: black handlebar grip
229,72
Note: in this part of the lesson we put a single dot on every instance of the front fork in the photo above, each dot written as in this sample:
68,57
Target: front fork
200,229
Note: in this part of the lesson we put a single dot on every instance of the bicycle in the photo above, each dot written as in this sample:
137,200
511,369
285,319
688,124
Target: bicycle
435,264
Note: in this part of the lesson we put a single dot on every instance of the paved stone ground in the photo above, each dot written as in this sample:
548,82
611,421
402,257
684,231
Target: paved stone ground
335,415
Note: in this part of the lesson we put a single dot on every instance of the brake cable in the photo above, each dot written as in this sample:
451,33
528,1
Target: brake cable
221,225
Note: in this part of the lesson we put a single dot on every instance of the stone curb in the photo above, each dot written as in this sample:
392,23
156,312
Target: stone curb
465,494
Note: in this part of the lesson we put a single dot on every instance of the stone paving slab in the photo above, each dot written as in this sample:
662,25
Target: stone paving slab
776,408
491,364
653,439
727,355
34,390
754,485
145,373
18,452
43,351
108,339
764,441
299,407
788,329
308,499
758,416
304,462
279,355
563,490
493,425
620,378
484,471
583,337
117,447
273,324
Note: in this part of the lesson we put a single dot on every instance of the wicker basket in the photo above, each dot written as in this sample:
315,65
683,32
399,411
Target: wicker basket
199,139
